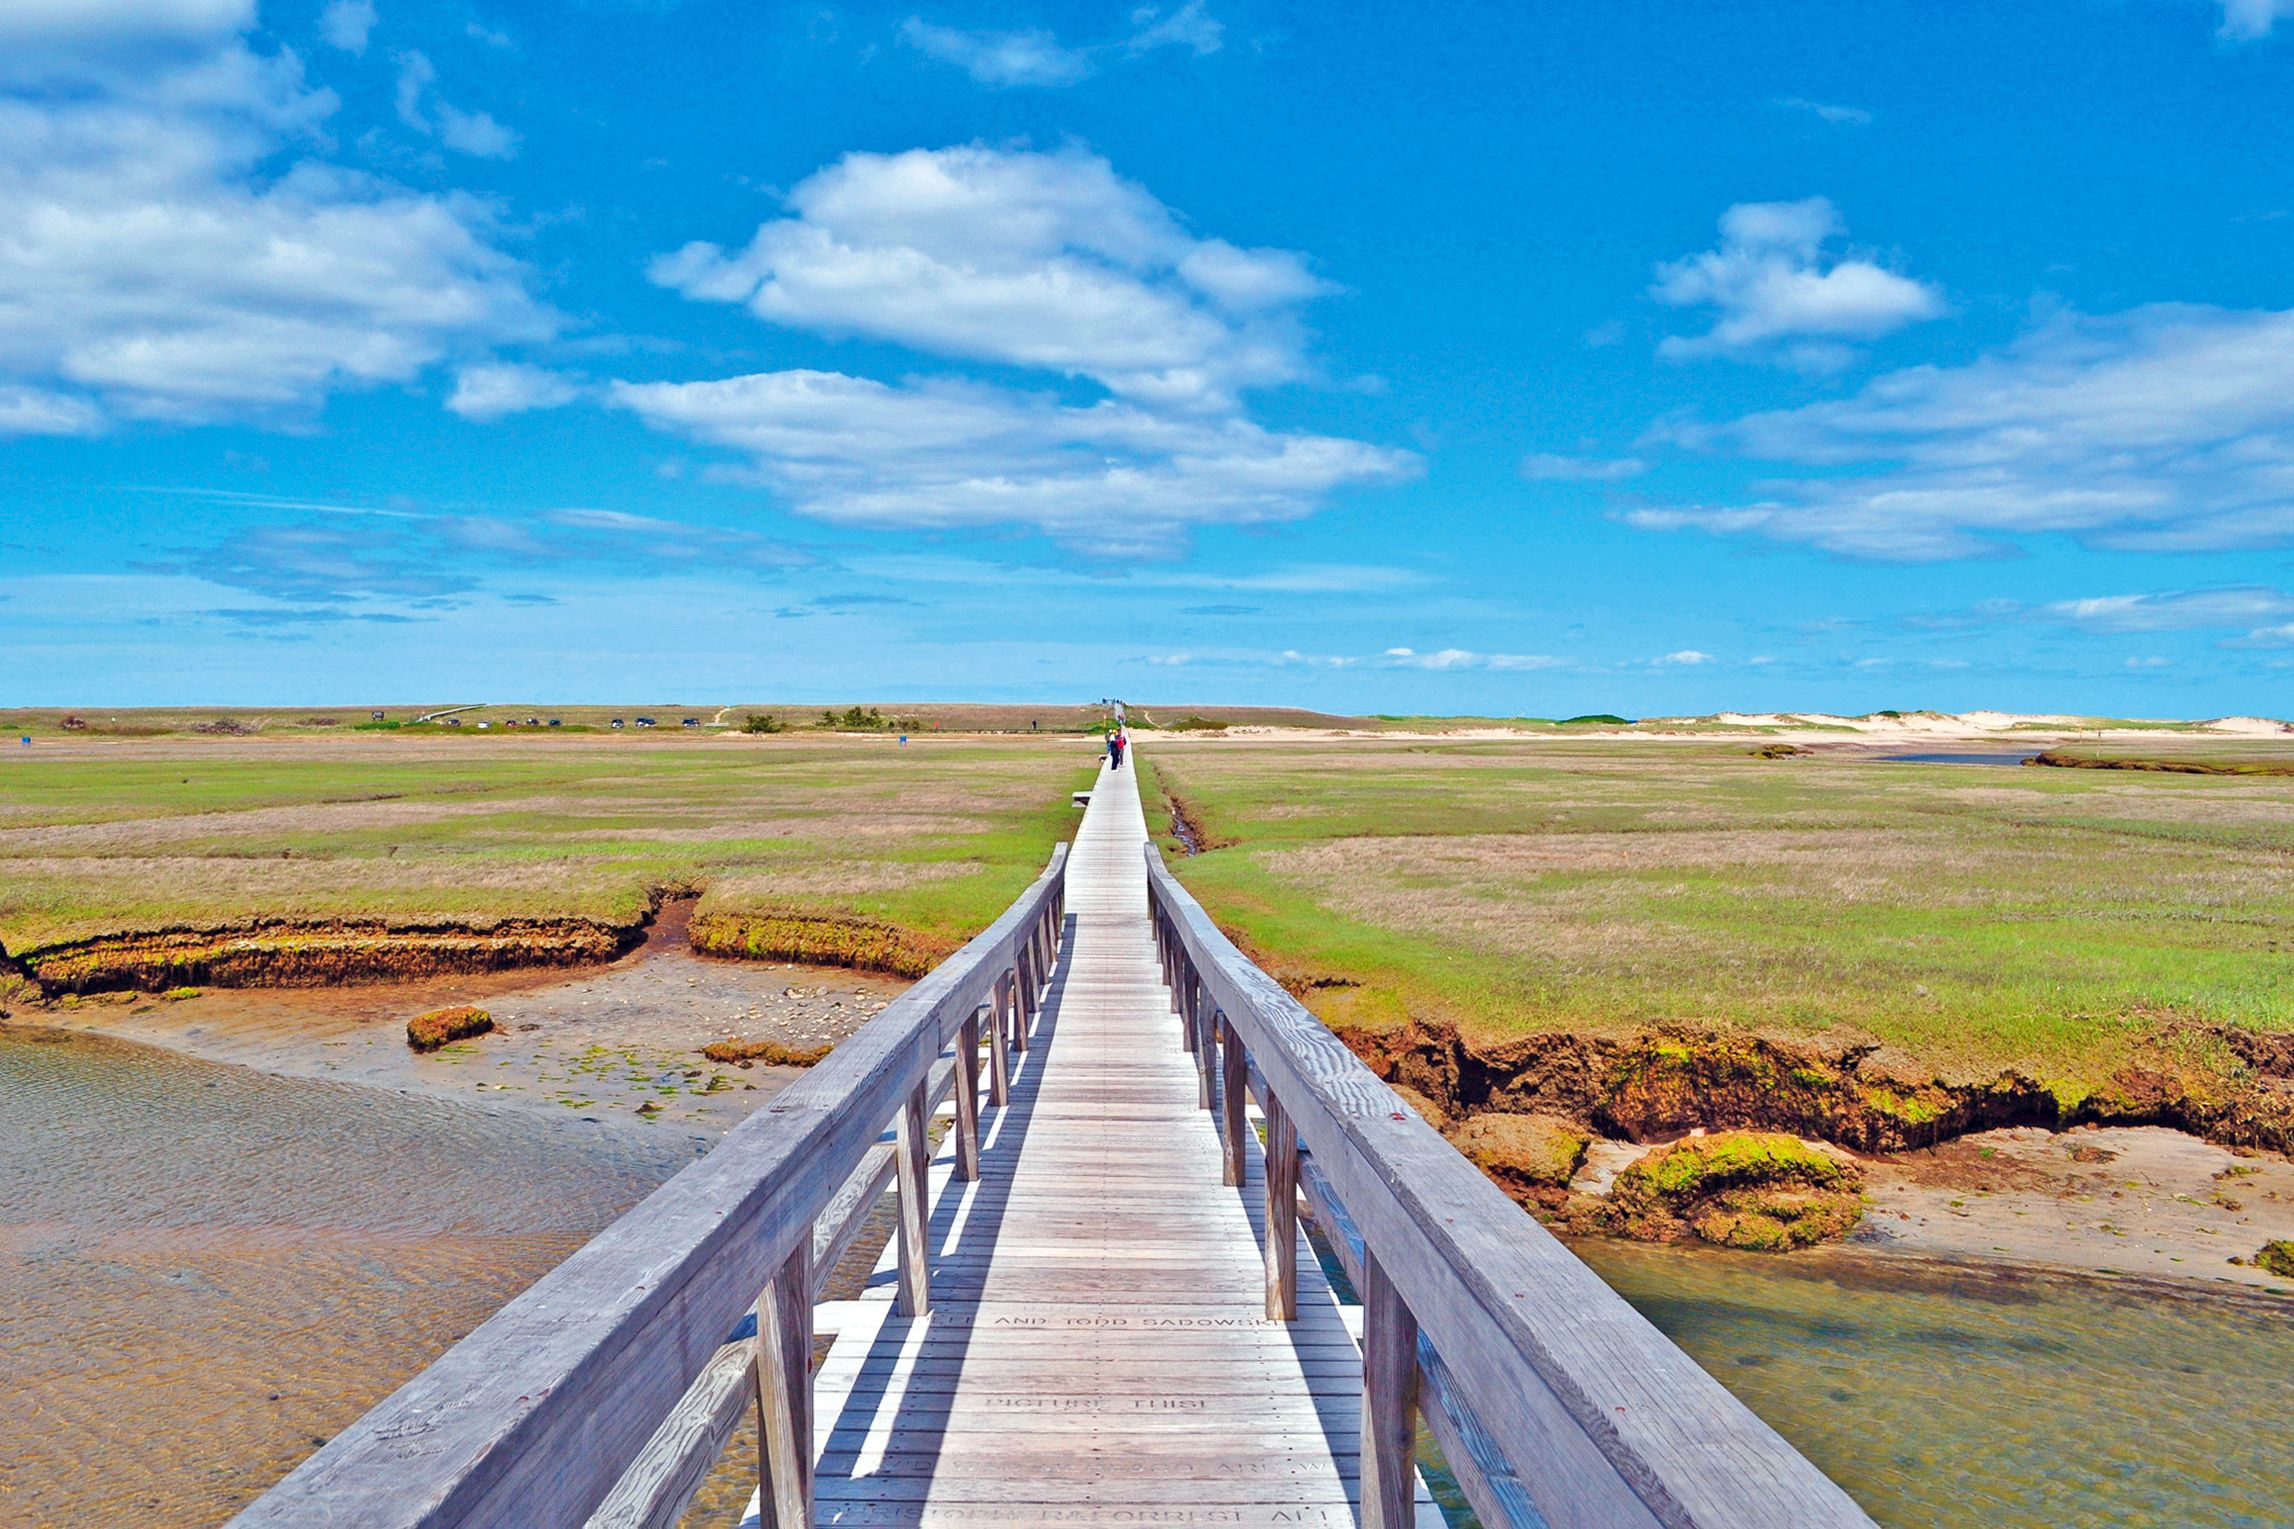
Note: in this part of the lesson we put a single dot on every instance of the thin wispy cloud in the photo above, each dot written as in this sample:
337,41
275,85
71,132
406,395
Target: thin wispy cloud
2166,428
1036,57
1464,658
1779,295
346,24
1546,467
2245,20
466,132
493,391
1826,111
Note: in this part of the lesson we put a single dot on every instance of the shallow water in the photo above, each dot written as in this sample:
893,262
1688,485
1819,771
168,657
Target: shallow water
1961,1398
205,1271
1965,759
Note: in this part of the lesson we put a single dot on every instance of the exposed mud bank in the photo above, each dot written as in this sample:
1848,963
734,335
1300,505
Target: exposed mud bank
814,939
2233,1087
2053,759
333,952
292,953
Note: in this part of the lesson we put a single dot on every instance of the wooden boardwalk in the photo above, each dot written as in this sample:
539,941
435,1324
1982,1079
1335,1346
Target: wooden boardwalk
1096,1349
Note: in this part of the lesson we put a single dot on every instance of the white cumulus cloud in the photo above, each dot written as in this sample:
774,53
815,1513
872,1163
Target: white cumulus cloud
2168,427
1778,296
171,246
1046,260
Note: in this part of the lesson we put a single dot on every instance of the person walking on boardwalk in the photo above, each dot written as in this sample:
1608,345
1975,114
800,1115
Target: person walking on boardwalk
1114,749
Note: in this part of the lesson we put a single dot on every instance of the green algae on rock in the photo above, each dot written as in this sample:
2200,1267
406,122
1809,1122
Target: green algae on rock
2276,1257
428,1032
1758,1190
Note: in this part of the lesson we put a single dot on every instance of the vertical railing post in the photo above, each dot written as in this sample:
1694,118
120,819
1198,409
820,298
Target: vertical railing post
911,1154
999,1049
1234,1088
1281,1213
1172,967
1023,1001
968,1096
784,1394
1206,1038
1389,1400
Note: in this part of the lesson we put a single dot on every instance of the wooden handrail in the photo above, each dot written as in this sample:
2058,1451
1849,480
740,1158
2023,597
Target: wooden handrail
1591,1412
535,1416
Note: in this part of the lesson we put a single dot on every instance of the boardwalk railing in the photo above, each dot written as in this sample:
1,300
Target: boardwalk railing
604,1393
1551,1398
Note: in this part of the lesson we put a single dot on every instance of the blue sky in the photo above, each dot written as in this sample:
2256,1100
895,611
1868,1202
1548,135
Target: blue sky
1518,359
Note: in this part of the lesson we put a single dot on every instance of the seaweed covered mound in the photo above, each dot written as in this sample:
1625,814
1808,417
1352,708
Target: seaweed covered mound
428,1032
1761,1190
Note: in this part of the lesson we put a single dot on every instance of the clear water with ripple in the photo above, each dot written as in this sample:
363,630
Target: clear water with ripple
1982,1400
205,1270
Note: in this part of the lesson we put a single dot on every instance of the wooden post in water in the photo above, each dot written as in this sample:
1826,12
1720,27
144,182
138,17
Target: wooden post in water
911,1161
1281,1213
968,1096
1389,1401
784,1394
1234,1089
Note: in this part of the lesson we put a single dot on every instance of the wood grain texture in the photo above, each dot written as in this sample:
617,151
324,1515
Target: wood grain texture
1600,1418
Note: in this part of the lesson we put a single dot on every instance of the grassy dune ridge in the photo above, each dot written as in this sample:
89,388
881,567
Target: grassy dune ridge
104,836
1964,918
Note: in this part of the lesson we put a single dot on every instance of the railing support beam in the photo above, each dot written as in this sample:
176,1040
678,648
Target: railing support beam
784,1394
1234,1091
999,1048
1023,1001
1389,1401
968,1096
912,1153
1281,1213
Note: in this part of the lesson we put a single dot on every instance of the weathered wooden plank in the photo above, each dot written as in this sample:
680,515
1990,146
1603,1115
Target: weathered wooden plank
653,1493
